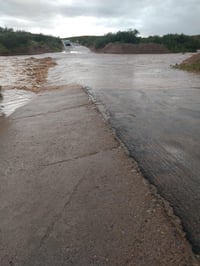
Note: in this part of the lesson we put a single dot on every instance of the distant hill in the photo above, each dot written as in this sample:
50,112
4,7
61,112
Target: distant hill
21,42
174,43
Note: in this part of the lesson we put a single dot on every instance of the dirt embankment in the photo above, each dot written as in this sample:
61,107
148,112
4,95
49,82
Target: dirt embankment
192,60
127,48
190,64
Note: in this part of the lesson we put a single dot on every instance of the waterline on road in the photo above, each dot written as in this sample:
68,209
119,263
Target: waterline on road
13,99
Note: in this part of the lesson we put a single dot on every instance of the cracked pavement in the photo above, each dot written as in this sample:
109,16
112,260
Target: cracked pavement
70,195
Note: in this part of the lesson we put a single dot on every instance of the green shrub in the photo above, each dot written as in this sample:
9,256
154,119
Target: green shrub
175,43
14,42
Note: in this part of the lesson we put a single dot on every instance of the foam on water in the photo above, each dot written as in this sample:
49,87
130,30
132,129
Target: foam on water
13,99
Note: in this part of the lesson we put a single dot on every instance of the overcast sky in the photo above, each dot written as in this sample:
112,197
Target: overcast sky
66,18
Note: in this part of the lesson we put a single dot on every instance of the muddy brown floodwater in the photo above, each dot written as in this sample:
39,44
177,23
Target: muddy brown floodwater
21,77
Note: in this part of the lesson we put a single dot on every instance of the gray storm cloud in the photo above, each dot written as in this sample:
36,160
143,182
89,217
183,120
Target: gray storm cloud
149,17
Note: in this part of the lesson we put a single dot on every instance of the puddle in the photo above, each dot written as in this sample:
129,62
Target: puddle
13,99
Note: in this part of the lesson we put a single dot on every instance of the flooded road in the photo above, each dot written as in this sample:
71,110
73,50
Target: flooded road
155,111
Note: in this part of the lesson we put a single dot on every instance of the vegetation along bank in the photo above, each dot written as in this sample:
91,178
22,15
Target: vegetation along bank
191,64
129,42
21,42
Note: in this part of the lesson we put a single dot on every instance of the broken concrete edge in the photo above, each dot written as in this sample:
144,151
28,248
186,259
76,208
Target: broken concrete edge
168,209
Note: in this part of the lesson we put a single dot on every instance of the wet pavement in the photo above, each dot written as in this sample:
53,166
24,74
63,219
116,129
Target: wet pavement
155,111
163,136
69,194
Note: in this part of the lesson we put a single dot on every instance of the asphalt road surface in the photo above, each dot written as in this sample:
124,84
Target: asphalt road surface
162,135
155,111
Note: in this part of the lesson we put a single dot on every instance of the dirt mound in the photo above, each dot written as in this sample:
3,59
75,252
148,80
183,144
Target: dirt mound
192,60
127,48
191,64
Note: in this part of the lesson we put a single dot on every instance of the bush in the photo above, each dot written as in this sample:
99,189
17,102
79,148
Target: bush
14,42
174,42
